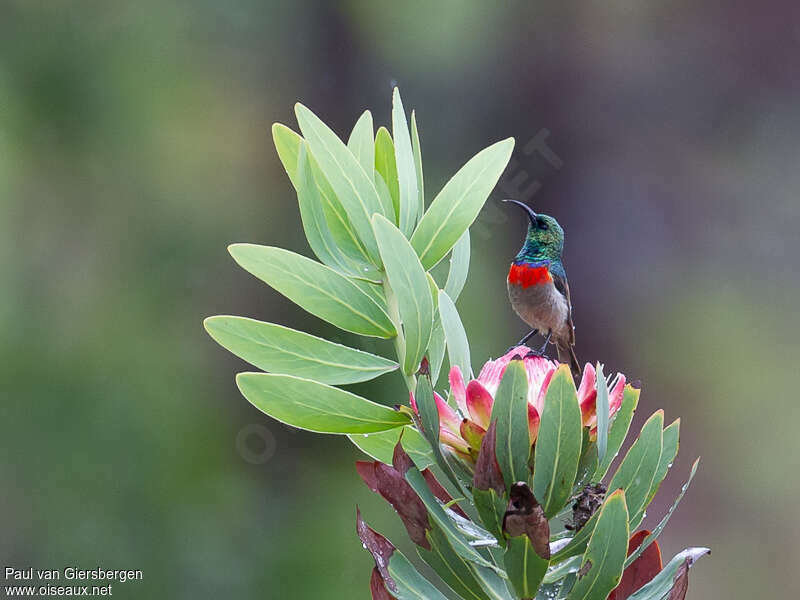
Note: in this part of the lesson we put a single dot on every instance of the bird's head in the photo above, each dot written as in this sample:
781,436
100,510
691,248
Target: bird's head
545,237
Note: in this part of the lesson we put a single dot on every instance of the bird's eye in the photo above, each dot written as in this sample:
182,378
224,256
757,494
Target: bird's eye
542,225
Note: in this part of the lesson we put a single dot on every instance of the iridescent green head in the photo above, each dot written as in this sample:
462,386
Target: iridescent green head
545,238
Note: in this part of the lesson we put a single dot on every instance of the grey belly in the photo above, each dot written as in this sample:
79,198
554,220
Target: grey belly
542,307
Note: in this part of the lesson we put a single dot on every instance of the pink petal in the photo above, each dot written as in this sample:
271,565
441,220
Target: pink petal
615,396
540,370
491,373
533,423
448,418
588,383
538,402
457,389
479,403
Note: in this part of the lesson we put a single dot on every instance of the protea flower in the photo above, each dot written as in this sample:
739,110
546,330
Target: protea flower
463,432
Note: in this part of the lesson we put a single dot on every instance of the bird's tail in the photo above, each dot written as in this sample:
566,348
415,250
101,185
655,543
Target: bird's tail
566,354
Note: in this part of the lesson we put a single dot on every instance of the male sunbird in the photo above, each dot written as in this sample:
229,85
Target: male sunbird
538,288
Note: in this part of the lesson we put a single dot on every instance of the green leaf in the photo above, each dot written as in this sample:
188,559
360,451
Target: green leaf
525,568
601,568
409,283
618,430
380,446
362,144
638,469
663,523
491,509
602,413
451,567
578,542
386,166
454,334
458,204
353,187
385,195
325,222
436,348
315,406
428,413
587,464
658,587
408,583
510,411
459,267
562,570
278,349
558,446
669,450
406,168
437,515
316,288
417,148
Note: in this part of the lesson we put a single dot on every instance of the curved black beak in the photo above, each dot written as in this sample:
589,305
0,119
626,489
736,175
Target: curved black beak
525,207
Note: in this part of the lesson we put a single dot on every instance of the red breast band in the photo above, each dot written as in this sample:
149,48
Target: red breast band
526,275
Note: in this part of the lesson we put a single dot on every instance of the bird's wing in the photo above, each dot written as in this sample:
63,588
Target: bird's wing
563,287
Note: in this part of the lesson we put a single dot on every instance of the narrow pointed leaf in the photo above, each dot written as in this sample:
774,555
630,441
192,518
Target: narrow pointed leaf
354,188
402,580
660,586
428,412
436,347
409,583
459,267
454,334
510,412
558,446
669,450
341,231
491,508
450,566
314,406
601,567
278,349
293,153
380,446
456,207
663,523
361,143
602,413
417,148
524,566
325,222
386,167
638,469
618,429
320,290
410,285
437,514
406,168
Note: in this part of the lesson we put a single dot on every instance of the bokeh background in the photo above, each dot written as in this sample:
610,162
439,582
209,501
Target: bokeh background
135,145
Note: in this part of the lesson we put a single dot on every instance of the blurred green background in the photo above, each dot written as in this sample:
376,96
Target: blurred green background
135,145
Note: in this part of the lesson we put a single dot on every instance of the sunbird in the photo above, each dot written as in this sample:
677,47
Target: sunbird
538,288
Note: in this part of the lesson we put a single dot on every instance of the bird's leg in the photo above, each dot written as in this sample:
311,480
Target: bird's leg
528,336
540,351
